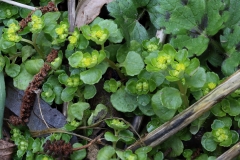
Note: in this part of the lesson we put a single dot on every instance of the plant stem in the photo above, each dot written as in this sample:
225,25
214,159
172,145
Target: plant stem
34,45
2,101
19,4
113,65
141,14
183,90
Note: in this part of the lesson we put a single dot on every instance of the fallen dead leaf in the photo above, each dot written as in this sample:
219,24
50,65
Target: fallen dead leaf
6,150
88,10
52,116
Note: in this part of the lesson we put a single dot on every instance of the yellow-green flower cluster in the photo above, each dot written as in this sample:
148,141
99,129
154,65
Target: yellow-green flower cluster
210,86
86,60
74,123
95,33
152,47
73,81
99,35
62,30
116,124
48,93
36,24
8,12
142,87
11,33
74,38
221,134
178,68
162,61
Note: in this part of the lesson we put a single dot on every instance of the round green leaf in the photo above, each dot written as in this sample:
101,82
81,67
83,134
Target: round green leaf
80,154
89,91
234,107
235,136
51,17
115,35
5,44
126,136
217,110
105,153
75,59
143,99
171,98
198,79
68,93
12,70
123,102
208,143
217,124
161,111
175,144
227,121
225,104
133,63
22,80
77,109
27,51
146,110
83,42
159,156
91,76
109,136
212,77
63,78
34,66
192,68
144,149
153,124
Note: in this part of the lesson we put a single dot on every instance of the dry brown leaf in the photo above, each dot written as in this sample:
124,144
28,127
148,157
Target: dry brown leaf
88,10
6,150
92,152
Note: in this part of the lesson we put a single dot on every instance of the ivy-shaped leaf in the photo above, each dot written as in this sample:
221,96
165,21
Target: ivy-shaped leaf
190,21
233,8
230,65
126,15
230,39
